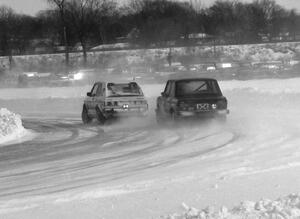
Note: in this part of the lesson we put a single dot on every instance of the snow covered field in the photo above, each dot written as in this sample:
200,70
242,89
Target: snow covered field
145,171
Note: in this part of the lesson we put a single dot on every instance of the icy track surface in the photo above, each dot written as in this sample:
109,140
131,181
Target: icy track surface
122,167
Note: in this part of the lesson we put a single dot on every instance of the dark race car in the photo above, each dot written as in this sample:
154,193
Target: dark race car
191,98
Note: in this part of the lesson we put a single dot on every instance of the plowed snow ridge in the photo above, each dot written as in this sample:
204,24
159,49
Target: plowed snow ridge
10,126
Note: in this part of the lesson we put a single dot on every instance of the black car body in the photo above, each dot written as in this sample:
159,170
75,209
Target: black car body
195,97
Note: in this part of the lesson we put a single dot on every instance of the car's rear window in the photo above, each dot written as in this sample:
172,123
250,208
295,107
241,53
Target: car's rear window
196,87
128,89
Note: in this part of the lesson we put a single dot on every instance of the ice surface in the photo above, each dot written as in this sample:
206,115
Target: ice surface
256,154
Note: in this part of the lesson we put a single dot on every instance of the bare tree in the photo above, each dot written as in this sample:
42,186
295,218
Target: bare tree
61,6
7,18
84,15
197,5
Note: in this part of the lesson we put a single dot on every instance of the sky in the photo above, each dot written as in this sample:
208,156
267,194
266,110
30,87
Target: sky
31,7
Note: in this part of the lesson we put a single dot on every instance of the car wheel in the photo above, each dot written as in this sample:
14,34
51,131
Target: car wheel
100,117
222,119
84,116
173,118
159,118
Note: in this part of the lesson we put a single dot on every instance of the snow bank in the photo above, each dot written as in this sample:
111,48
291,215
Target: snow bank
270,86
286,207
10,126
44,92
266,86
260,52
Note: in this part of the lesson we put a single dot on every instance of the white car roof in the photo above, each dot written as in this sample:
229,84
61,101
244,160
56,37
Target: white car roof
116,82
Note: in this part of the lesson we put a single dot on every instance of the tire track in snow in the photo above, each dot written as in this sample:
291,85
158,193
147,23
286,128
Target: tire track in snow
67,155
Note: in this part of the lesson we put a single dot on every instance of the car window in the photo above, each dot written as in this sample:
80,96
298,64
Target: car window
196,87
99,90
129,89
172,90
168,88
94,90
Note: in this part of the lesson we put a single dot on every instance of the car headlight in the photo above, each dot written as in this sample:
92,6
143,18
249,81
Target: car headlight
78,76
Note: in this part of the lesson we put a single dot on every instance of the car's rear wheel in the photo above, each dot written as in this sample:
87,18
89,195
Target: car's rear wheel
159,118
173,116
84,116
100,117
172,119
222,119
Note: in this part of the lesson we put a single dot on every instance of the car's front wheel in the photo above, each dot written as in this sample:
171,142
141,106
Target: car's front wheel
84,116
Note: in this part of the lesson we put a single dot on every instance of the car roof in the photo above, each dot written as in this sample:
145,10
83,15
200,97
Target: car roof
115,82
194,79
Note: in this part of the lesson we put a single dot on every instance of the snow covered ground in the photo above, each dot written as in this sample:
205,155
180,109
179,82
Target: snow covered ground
142,170
11,127
285,207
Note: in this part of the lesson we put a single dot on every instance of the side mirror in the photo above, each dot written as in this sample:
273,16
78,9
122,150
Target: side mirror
89,94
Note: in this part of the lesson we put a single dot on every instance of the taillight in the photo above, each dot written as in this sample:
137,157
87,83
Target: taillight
222,104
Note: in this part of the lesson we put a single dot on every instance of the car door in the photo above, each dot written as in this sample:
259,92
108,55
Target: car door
92,99
165,97
100,96
170,102
89,98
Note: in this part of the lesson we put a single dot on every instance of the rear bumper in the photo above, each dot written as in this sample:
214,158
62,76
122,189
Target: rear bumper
135,112
214,113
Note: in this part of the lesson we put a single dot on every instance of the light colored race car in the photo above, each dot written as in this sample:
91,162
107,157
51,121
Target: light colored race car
42,79
108,100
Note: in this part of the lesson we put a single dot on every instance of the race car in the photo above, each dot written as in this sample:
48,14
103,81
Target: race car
27,79
191,98
107,100
83,76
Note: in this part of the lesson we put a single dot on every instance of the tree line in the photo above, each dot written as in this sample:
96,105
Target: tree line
144,23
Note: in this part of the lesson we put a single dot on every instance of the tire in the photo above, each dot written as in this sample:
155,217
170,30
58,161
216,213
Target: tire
222,119
159,118
100,117
86,119
173,116
173,119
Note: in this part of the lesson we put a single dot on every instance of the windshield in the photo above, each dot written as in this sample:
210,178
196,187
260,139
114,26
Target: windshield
197,87
130,89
